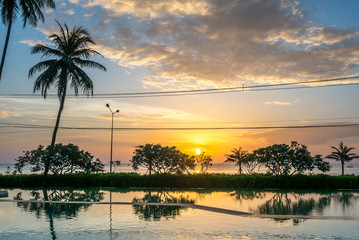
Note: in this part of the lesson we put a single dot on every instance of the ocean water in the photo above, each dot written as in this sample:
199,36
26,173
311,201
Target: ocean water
349,168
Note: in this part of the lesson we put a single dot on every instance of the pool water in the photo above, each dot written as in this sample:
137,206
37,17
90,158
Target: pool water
118,218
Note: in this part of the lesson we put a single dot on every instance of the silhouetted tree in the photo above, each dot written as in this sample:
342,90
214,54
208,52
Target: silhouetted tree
69,55
342,154
161,160
282,159
237,156
62,158
30,11
204,160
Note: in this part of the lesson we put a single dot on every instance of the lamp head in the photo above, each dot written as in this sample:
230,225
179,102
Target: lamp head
117,111
107,105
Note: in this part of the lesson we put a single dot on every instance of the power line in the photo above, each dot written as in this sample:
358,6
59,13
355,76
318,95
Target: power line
201,122
264,87
335,125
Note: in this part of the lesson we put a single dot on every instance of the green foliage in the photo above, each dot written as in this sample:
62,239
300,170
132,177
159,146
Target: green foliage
205,161
62,158
282,159
125,180
161,160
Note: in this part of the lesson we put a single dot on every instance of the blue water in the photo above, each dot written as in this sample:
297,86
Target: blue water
216,168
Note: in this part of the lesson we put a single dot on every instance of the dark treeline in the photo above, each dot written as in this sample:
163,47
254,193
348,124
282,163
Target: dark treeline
125,180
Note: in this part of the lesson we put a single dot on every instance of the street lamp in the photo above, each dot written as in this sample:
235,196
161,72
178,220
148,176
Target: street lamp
113,113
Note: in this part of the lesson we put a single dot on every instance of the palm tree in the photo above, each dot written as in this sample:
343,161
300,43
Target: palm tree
237,156
342,154
30,11
69,54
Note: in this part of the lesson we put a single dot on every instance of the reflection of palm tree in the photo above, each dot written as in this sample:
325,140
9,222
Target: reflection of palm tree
70,54
30,11
345,198
156,212
342,154
58,210
237,156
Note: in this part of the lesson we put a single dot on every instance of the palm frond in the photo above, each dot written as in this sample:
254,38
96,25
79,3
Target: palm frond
41,66
89,64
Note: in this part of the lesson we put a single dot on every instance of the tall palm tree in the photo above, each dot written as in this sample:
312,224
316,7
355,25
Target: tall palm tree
69,54
237,156
30,11
342,154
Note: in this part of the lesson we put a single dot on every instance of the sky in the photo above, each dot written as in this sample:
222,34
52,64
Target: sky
184,45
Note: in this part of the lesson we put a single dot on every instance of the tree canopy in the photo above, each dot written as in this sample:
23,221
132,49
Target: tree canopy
161,160
282,159
62,159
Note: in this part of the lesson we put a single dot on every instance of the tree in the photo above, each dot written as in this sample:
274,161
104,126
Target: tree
282,159
161,160
30,11
237,157
62,158
205,161
250,163
116,165
342,154
69,54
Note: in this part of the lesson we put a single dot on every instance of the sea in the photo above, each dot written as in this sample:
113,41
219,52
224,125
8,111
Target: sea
349,168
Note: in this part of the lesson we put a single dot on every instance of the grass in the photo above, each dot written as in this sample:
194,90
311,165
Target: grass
125,180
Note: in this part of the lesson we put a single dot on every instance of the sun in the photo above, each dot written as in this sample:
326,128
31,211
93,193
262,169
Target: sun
198,151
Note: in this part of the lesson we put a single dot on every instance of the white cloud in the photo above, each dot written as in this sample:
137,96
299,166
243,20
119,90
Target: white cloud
31,42
278,103
188,43
70,12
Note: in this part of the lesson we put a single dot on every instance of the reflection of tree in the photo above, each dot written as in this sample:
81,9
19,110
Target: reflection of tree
247,195
345,198
157,212
295,203
57,210
282,204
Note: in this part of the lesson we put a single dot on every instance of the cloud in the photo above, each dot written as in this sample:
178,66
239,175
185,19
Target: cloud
137,114
278,103
31,42
70,12
186,44
8,114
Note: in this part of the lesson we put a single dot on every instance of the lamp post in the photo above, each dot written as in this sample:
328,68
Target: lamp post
113,113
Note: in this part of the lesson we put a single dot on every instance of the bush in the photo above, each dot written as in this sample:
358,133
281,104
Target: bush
125,180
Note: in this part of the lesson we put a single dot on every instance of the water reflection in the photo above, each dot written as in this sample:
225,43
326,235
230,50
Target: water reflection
158,212
55,210
307,203
296,203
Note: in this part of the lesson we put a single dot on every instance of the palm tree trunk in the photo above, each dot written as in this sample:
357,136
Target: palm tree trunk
47,163
342,168
5,46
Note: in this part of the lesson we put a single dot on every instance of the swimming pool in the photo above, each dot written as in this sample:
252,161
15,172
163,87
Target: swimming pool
125,214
